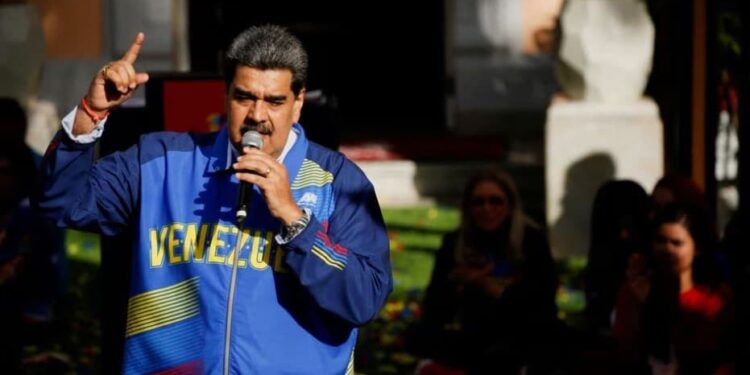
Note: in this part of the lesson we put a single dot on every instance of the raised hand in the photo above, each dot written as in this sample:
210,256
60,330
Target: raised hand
112,85
117,80
636,276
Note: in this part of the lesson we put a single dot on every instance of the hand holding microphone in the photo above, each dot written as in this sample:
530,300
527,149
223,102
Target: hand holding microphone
257,168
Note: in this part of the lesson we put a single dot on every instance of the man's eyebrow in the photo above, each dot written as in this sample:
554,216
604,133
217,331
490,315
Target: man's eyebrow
275,98
269,98
241,92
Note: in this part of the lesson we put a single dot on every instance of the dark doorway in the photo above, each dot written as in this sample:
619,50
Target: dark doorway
382,63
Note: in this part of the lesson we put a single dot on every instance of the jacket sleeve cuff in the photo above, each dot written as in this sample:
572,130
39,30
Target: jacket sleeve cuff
67,125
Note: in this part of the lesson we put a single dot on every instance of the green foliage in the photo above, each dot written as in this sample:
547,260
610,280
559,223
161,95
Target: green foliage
729,37
82,246
415,235
439,219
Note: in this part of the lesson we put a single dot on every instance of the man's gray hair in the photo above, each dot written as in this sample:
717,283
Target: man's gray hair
267,47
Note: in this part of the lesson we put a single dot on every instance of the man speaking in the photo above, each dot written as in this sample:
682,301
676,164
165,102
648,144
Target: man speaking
281,291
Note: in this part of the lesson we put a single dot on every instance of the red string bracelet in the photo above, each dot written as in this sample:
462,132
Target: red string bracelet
94,117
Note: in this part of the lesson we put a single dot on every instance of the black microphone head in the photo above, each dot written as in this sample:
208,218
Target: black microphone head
252,139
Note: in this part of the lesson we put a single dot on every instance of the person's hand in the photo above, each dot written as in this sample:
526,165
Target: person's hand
636,276
463,275
117,80
470,274
271,177
495,287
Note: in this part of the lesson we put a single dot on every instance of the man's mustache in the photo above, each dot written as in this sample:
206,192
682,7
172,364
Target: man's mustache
262,128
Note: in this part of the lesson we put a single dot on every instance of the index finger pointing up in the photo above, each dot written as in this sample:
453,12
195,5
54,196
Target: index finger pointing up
132,53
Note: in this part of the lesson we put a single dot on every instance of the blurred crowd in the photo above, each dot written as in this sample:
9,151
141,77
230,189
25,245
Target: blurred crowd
32,262
658,286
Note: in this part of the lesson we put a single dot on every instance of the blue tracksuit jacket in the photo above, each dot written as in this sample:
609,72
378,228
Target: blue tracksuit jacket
295,308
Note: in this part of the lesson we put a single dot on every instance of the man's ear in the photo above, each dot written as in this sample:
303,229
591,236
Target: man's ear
299,101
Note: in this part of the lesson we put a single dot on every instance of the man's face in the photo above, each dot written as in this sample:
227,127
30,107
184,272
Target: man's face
263,100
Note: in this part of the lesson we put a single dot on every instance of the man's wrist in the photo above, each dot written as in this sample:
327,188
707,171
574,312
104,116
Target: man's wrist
79,127
292,216
290,231
96,115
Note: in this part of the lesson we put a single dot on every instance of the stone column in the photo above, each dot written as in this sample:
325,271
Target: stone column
602,128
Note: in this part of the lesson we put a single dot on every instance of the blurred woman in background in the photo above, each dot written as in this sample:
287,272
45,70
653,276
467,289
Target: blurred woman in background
619,228
490,305
687,313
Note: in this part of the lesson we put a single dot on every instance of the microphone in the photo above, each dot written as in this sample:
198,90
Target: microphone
251,139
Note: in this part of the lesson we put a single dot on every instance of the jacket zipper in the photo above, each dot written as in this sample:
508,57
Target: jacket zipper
230,302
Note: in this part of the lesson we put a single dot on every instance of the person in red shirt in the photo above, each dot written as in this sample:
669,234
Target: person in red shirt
687,313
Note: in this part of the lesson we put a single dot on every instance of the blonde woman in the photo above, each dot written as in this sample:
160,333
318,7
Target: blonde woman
493,285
